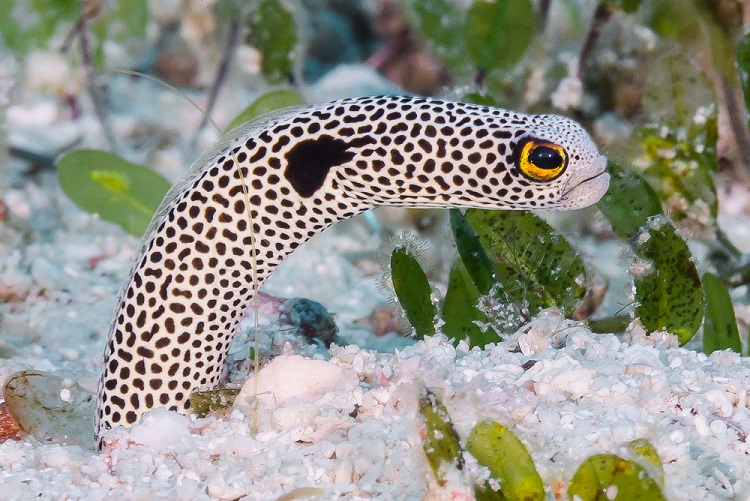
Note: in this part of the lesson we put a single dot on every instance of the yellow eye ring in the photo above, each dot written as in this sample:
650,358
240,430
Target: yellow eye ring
541,160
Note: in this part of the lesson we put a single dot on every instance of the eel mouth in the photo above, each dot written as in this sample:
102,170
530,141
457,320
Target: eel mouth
589,190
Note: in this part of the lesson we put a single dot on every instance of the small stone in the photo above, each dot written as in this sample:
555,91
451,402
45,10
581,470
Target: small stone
311,319
293,376
220,488
383,320
179,68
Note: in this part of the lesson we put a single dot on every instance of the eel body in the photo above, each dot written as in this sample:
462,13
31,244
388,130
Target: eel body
298,173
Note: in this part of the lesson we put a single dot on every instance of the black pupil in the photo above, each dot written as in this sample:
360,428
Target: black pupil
545,157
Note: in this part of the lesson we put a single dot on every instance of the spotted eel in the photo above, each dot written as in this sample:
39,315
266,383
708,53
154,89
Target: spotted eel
300,171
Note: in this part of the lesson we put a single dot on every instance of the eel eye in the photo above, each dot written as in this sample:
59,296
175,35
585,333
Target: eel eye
541,160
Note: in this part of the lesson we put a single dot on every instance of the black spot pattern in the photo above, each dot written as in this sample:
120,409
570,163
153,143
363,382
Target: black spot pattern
308,163
304,171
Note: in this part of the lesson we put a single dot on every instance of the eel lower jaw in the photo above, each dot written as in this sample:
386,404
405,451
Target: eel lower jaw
588,191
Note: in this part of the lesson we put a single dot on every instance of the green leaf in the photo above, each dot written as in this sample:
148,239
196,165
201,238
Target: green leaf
617,323
534,265
120,21
413,292
629,6
485,492
441,23
460,312
646,455
606,476
743,62
439,440
273,32
629,202
128,19
472,255
266,103
115,182
204,402
51,408
498,32
720,331
680,169
668,289
697,28
30,24
675,89
119,191
483,99
497,448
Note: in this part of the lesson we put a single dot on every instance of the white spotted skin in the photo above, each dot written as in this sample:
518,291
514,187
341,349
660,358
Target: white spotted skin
306,169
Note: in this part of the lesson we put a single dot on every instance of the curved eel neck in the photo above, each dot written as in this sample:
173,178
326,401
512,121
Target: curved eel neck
194,278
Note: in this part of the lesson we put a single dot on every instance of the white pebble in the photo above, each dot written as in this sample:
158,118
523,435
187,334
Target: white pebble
296,415
701,426
722,405
56,456
548,417
575,381
46,274
381,394
218,487
293,376
611,492
345,449
66,396
343,472
677,437
160,429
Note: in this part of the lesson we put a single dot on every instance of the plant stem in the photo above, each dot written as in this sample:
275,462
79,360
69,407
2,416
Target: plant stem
544,6
737,123
92,84
230,44
39,159
737,277
8,84
479,78
727,244
601,17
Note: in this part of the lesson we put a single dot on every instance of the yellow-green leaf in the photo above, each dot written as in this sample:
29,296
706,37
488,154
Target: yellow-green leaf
119,191
497,448
606,476
646,455
116,182
440,440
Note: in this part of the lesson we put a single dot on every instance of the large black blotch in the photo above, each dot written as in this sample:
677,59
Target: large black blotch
309,161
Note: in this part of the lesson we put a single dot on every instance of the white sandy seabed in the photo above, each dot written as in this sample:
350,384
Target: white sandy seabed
343,424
